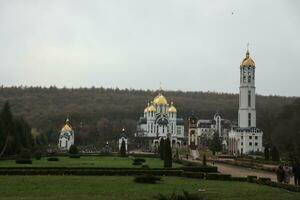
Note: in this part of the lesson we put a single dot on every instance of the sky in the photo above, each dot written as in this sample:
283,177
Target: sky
188,45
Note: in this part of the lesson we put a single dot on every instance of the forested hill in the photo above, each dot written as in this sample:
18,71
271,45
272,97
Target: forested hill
98,113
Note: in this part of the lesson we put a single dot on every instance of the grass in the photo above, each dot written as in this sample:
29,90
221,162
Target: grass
87,161
118,187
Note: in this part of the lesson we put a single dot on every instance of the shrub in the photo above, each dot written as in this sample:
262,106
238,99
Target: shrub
23,161
251,179
137,163
24,157
25,154
185,196
123,149
167,154
53,159
147,179
74,156
204,160
217,176
73,149
206,169
38,155
145,166
263,180
199,175
142,160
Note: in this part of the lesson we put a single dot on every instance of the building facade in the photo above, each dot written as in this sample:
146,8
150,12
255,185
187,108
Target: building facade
66,136
246,138
208,127
160,121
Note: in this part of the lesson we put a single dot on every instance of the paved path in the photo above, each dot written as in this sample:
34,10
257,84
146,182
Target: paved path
243,171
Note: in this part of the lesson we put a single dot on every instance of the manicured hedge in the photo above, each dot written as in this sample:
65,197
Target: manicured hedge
23,161
53,159
74,156
239,179
199,175
147,178
217,176
205,169
251,179
90,172
142,160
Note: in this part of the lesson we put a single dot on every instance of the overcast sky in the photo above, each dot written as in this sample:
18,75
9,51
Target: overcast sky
190,45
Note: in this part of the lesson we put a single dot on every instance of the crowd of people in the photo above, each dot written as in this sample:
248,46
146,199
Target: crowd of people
285,173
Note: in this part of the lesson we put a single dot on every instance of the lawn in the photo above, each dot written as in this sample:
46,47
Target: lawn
87,161
118,187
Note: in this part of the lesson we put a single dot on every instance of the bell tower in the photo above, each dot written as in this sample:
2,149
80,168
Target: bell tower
247,111
192,137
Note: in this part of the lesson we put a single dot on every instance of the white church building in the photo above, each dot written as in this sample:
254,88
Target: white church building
246,138
66,136
160,121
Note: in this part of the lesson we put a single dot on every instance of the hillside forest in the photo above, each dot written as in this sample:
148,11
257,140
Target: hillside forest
97,115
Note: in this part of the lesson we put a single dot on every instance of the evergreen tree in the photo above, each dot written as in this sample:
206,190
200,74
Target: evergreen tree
167,153
7,125
123,149
274,154
215,144
267,153
161,149
204,160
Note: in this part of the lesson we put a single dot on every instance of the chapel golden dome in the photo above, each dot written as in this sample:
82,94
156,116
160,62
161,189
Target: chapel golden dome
146,109
160,100
248,62
172,109
67,127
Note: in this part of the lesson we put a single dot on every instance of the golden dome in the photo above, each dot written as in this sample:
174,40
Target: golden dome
146,109
66,128
248,62
172,109
151,109
160,100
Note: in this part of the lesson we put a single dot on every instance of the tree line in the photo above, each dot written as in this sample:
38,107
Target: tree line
98,114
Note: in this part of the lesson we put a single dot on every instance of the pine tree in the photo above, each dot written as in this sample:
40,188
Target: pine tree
204,160
161,149
215,144
7,124
167,153
123,149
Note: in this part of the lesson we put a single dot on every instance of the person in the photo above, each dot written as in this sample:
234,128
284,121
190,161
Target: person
286,174
296,172
280,174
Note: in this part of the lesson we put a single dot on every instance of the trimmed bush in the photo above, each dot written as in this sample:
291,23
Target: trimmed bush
74,156
263,180
239,179
251,179
38,155
206,169
53,159
185,196
217,176
198,175
23,161
145,166
137,163
73,149
24,157
141,160
146,179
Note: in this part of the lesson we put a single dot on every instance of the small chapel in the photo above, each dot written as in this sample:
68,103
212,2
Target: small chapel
66,137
